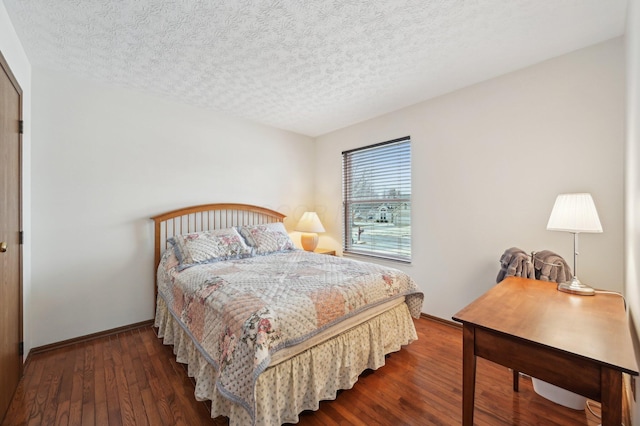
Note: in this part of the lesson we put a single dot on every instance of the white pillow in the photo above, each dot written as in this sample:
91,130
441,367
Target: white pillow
209,246
267,238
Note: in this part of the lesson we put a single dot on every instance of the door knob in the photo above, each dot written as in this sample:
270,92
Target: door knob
3,247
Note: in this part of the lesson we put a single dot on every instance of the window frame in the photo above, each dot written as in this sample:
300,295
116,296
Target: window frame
394,197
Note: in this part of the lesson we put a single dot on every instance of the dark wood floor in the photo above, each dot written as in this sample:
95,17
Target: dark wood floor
132,379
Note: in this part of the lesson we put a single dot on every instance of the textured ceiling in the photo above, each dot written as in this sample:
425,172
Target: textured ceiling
306,66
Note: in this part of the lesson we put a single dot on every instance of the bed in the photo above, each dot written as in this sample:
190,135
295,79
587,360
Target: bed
267,330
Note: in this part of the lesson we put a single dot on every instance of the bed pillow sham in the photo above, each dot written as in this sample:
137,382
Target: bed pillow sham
209,246
267,238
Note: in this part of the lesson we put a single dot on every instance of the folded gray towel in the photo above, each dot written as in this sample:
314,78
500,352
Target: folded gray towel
550,266
515,262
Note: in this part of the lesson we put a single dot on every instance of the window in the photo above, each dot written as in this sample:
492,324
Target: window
377,200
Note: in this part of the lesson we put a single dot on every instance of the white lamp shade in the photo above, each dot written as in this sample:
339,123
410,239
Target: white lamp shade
310,222
574,213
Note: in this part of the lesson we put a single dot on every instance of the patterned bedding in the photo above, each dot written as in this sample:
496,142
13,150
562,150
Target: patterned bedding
240,312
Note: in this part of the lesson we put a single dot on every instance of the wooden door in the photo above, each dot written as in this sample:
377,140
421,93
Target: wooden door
10,244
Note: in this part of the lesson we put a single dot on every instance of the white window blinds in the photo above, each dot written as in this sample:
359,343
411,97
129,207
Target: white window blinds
377,200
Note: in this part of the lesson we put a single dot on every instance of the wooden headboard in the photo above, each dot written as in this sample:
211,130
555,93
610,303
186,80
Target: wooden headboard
203,218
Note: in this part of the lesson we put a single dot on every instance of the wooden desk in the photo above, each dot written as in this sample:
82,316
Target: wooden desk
580,343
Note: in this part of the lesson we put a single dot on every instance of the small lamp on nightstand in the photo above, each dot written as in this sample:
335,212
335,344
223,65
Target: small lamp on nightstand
309,225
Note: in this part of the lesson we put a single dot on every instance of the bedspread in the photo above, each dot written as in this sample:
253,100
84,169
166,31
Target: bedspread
240,312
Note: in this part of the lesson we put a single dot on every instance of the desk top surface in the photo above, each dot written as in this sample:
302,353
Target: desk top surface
592,327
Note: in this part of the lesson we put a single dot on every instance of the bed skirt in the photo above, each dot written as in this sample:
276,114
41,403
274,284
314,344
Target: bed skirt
299,383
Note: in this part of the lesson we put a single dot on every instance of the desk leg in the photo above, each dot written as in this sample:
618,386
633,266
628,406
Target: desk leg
611,392
468,374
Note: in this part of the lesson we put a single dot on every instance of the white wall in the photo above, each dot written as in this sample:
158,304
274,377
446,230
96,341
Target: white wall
14,54
632,180
104,161
488,162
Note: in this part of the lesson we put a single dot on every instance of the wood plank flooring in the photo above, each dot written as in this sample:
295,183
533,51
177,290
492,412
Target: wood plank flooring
131,378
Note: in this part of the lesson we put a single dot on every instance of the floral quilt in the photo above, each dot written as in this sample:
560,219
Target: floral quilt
239,312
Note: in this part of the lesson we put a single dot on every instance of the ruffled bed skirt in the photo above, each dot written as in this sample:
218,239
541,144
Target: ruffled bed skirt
299,383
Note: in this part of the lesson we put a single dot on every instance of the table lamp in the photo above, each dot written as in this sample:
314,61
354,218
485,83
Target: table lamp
309,224
574,213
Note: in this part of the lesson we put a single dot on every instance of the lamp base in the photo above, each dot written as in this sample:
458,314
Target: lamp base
309,241
576,287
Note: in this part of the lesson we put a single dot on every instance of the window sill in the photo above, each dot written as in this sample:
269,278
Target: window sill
375,259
